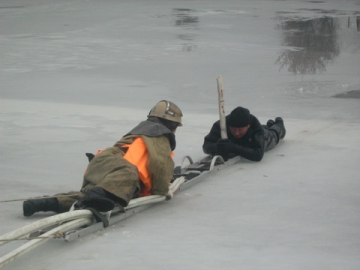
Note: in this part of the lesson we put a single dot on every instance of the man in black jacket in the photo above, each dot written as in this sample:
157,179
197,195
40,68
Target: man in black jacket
246,136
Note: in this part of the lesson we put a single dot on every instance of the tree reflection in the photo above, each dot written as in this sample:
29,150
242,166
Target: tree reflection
316,43
188,22
184,17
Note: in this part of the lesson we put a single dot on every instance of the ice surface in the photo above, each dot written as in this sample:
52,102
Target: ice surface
77,75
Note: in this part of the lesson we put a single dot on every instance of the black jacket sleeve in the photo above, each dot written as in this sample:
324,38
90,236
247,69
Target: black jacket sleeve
210,140
254,152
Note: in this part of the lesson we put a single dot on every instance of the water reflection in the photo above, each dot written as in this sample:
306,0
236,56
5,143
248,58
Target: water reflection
186,19
316,43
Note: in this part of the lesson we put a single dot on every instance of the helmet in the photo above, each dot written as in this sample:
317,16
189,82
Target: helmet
167,110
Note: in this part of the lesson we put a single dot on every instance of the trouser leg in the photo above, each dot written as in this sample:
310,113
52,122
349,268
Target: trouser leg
279,127
115,175
66,200
274,132
122,186
58,203
271,138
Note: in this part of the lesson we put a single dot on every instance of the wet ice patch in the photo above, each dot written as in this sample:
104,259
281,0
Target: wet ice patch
314,87
349,94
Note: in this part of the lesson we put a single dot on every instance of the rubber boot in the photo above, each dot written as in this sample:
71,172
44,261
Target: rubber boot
280,122
270,122
36,205
96,198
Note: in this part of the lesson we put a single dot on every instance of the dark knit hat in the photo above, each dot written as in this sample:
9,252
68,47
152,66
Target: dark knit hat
239,117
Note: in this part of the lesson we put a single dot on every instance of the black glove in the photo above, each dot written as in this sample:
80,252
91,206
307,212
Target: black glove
223,148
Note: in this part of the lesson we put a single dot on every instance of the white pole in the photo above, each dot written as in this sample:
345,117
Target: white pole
221,107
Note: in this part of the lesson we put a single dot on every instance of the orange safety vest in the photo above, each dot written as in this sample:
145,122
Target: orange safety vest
137,154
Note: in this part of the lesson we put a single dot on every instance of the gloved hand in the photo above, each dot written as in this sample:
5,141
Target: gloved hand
223,148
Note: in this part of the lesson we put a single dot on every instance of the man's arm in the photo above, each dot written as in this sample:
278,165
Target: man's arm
210,140
255,153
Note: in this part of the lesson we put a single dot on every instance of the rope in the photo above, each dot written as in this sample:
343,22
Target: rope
36,198
54,235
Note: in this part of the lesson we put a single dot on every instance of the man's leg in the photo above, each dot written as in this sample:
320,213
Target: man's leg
279,127
59,203
109,179
274,132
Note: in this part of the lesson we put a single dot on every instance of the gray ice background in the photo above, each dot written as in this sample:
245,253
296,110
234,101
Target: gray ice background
77,75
